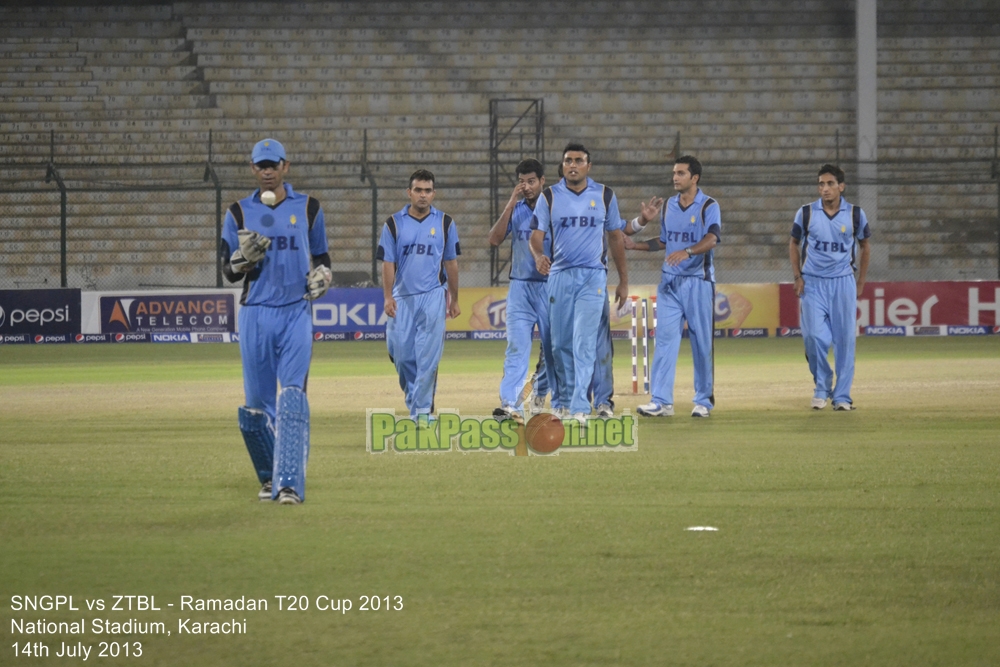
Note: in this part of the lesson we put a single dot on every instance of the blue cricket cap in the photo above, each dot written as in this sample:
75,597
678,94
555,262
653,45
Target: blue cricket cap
267,149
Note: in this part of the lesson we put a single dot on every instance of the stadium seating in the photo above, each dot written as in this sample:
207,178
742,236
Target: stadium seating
762,91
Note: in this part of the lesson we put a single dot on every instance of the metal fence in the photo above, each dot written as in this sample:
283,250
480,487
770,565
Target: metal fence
153,226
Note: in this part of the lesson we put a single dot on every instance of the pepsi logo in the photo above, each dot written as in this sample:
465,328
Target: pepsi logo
119,337
39,339
358,335
78,338
318,336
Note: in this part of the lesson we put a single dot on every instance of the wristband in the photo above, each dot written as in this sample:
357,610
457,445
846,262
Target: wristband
636,227
688,251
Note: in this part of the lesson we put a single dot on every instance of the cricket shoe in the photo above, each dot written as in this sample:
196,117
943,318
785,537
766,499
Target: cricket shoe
843,407
506,412
654,409
700,411
581,418
264,495
287,496
605,411
562,413
818,403
537,405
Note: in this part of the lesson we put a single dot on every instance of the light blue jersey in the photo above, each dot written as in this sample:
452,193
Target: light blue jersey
297,231
418,248
829,244
577,281
527,307
682,228
828,305
522,263
275,327
415,336
577,223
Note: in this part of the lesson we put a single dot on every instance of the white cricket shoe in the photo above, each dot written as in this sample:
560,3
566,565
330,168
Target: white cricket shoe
605,411
537,404
654,409
287,496
700,411
562,413
581,418
843,407
264,495
818,403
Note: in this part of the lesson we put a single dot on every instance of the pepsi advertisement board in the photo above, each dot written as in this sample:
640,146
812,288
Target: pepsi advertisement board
39,312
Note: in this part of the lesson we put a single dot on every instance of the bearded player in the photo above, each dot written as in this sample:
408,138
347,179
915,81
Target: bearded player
527,297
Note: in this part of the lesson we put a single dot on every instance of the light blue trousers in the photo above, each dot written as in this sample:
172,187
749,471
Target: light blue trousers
276,347
577,298
527,306
828,315
415,338
682,299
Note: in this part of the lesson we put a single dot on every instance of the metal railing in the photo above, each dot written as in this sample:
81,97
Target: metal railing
90,226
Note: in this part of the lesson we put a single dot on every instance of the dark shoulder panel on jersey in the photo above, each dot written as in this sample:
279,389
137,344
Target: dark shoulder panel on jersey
608,194
312,210
390,222
547,193
714,229
704,208
448,222
856,218
237,212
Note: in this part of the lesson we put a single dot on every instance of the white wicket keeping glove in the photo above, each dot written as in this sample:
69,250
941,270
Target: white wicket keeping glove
317,283
252,249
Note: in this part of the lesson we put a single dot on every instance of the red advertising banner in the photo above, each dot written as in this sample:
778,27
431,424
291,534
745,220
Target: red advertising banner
914,303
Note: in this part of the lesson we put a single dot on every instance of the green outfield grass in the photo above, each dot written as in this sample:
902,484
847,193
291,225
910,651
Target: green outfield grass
863,538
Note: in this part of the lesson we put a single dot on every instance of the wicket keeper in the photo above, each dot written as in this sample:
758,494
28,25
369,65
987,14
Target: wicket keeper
279,252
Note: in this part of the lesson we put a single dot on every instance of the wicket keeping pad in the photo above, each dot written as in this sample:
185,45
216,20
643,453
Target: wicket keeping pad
258,435
291,446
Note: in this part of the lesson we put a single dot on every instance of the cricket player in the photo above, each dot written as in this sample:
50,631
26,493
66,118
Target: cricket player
577,212
279,251
527,297
823,248
419,252
690,227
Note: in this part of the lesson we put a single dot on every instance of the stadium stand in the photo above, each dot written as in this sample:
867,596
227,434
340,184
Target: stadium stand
130,100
